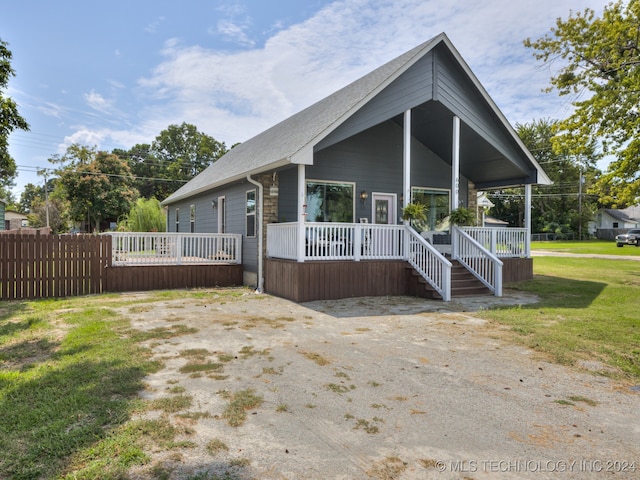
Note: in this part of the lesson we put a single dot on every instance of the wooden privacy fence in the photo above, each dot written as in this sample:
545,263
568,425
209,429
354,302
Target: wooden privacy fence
47,266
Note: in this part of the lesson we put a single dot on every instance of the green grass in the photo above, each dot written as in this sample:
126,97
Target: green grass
70,374
588,310
602,247
67,384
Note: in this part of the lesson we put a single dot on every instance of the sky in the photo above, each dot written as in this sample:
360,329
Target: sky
115,74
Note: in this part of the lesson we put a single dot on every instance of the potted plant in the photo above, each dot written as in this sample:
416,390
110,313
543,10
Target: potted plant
462,216
416,214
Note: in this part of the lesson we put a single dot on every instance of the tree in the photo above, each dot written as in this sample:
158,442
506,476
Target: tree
55,210
601,68
145,216
557,208
98,186
30,195
10,119
181,152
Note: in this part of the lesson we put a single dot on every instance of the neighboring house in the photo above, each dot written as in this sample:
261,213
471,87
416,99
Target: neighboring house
15,220
611,222
419,128
3,206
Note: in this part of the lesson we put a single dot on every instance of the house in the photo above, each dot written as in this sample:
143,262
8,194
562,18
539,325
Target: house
610,222
319,196
15,220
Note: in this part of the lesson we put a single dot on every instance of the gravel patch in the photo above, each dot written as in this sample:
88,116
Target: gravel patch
382,388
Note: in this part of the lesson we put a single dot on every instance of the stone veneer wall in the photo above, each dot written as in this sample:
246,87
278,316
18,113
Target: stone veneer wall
472,200
269,182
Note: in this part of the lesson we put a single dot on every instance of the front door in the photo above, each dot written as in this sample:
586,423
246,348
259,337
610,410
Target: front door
384,208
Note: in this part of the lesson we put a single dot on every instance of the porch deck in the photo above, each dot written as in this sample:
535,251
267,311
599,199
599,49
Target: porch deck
337,260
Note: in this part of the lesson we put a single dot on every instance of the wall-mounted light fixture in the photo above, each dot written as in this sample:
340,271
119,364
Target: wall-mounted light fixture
213,204
363,196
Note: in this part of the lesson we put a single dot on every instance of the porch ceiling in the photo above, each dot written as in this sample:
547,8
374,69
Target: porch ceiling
480,160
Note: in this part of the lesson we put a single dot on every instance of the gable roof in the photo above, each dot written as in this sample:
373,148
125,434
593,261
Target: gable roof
629,214
289,141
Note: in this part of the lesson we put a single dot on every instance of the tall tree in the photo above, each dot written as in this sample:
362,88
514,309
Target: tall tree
31,194
10,119
563,208
98,186
600,65
181,152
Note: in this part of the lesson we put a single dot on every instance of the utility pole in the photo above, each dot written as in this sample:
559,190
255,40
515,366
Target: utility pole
580,182
43,172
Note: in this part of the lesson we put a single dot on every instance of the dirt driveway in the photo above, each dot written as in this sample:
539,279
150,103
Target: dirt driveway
378,388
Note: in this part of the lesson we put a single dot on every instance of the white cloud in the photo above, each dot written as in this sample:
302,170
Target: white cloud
153,26
97,101
235,95
234,32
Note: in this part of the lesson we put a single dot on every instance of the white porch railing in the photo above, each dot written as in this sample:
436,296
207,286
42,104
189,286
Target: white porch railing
141,248
337,241
348,241
502,242
484,265
427,261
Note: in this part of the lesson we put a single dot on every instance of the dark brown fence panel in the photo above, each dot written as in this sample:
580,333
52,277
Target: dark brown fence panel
43,266
162,277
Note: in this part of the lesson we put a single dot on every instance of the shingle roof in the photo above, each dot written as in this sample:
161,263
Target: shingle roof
287,141
629,214
277,145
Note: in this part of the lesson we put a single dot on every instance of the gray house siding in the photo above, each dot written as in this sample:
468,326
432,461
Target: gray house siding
2,208
373,161
457,93
412,88
207,217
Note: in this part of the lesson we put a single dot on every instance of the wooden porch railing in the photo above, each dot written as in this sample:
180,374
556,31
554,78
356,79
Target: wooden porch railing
141,248
484,265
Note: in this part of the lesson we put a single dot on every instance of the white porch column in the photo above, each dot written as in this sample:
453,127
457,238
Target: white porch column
302,208
527,219
406,161
455,165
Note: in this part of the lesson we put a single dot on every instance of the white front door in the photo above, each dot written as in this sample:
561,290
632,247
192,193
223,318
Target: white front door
384,208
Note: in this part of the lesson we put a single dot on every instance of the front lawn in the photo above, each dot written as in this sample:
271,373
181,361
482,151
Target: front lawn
588,311
600,247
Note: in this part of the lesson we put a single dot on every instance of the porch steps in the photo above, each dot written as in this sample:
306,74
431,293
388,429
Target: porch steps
463,283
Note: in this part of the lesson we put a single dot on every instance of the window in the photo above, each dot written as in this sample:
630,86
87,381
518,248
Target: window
251,213
192,218
615,224
177,219
330,202
436,202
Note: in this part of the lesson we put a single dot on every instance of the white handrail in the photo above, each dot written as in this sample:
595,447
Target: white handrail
502,242
427,261
483,264
152,248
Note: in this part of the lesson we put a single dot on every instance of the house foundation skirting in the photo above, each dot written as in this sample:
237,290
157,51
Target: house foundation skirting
516,269
328,280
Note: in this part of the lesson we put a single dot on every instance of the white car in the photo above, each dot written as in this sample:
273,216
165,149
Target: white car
632,237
